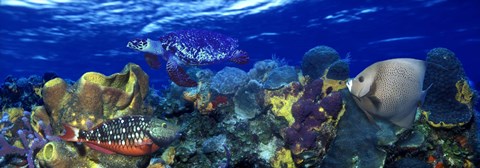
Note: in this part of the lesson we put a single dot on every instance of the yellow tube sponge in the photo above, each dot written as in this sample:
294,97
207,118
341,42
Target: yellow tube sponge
55,154
39,114
96,97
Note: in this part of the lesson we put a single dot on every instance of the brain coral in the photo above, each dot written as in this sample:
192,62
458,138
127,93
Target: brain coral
444,71
317,60
228,80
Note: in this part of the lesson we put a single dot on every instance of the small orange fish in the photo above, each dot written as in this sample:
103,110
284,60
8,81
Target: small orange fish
131,135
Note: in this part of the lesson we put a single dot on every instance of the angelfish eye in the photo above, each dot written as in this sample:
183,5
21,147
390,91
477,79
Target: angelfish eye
360,79
164,125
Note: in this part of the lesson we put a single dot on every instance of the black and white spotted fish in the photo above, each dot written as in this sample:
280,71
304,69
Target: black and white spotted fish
130,135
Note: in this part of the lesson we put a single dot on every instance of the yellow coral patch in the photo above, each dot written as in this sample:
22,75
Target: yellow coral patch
38,91
283,159
336,85
54,82
14,114
441,124
169,155
282,105
18,144
464,93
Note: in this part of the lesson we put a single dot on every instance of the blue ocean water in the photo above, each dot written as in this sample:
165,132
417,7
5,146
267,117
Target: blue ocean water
71,37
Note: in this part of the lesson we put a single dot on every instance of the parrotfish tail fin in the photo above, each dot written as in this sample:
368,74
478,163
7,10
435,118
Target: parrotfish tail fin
71,133
178,75
152,60
240,57
100,149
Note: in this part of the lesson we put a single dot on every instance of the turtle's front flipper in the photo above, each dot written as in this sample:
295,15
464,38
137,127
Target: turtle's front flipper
178,75
152,60
240,57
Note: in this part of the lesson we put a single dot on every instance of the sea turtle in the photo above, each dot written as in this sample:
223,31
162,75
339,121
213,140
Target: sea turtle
189,47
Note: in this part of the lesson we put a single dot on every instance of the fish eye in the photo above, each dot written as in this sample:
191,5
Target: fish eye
360,79
164,125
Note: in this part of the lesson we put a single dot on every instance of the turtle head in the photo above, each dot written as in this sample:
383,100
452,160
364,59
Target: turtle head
138,44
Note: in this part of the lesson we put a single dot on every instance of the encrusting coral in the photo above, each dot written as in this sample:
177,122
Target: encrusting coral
283,159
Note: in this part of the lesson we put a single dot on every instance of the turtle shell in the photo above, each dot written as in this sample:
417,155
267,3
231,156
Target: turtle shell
199,47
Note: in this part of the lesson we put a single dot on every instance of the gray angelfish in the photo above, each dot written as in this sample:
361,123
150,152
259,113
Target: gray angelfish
390,89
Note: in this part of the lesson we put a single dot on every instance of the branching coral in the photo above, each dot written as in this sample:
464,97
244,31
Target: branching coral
29,139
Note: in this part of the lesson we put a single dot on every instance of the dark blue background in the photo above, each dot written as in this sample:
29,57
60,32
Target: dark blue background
73,38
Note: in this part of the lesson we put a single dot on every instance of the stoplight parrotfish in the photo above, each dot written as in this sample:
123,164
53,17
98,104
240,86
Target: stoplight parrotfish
188,47
130,135
391,89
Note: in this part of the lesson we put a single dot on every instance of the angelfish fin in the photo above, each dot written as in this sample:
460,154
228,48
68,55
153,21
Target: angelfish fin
423,95
152,60
407,121
240,57
370,119
178,75
100,149
71,133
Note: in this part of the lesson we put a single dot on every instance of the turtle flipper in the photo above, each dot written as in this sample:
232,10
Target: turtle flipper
178,75
152,60
240,57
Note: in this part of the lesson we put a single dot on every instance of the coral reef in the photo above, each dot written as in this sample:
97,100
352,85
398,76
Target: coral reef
317,60
23,92
339,70
60,154
262,68
248,100
18,131
283,158
355,144
449,100
228,80
96,97
272,116
280,77
281,101
316,118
